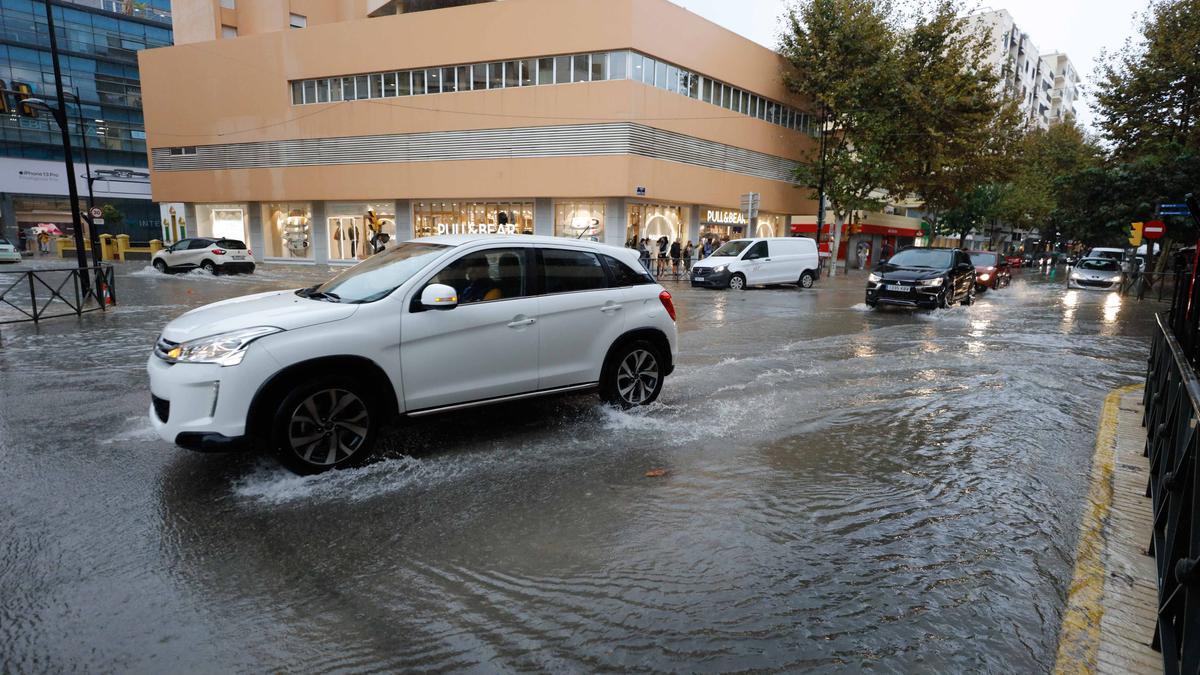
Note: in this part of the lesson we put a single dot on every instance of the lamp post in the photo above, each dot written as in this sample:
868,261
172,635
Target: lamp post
60,117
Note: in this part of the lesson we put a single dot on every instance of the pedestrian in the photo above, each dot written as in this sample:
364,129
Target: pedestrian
676,254
689,252
644,253
708,247
663,244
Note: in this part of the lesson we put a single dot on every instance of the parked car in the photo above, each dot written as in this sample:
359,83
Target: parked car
1015,260
438,325
991,270
214,256
9,252
755,262
923,277
1101,274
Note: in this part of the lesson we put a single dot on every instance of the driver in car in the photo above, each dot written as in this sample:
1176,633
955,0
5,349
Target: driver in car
480,285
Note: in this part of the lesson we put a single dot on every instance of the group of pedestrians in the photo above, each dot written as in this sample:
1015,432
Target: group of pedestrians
662,256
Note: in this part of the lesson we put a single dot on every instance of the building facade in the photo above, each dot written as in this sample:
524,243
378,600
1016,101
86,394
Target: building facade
98,42
306,128
1045,85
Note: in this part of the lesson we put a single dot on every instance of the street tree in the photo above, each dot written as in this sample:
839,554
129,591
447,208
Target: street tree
1038,160
845,60
973,210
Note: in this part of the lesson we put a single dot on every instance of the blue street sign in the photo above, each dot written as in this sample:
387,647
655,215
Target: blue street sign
1173,212
1180,205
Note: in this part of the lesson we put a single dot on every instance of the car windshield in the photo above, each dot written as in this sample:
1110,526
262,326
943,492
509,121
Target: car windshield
732,249
376,277
5,242
1099,265
1113,255
923,258
983,259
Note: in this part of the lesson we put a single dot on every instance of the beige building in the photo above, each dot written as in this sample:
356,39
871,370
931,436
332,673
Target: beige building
305,126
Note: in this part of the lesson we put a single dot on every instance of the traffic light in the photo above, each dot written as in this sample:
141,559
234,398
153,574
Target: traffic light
24,91
1135,234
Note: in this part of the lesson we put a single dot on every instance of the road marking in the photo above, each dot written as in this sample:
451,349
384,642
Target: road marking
1079,638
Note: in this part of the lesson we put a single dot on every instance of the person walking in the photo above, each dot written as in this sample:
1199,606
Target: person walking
676,254
663,244
688,252
644,253
708,249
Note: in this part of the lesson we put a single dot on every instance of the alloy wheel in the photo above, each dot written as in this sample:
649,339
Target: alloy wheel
737,283
328,426
637,377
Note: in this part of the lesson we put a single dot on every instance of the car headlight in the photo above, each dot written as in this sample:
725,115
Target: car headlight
719,270
874,278
1076,277
225,349
931,282
984,277
1115,278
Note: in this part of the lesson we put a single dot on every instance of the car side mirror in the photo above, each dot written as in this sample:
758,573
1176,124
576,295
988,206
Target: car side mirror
439,297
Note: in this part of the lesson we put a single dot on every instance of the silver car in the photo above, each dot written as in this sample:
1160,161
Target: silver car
8,252
1099,274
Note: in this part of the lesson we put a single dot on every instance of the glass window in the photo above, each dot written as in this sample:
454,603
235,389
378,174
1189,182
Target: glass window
389,84
449,83
479,78
599,67
624,275
335,89
528,69
433,81
660,75
618,65
545,71
708,90
495,75
648,66
322,91
287,230
297,20
404,83
486,276
636,67
418,82
758,251
298,93
579,220
463,74
363,89
381,274
562,70
228,32
222,221
511,77
673,79
693,87
571,271
310,91
582,68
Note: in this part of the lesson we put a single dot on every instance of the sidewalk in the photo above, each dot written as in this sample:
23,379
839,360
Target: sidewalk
1112,602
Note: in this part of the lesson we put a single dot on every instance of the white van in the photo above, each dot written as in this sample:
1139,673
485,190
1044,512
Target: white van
756,262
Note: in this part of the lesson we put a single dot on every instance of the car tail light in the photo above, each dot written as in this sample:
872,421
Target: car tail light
665,298
249,253
219,251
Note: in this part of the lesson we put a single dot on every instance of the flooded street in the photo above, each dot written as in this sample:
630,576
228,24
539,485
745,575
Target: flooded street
844,489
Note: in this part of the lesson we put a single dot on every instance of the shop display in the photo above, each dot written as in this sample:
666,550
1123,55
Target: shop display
296,233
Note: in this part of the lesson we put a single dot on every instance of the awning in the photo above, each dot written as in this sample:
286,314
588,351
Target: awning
891,231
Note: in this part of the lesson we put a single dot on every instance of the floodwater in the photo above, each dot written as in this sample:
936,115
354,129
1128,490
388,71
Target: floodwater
844,489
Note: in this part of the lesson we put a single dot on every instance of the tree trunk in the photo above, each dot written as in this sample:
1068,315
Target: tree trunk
839,219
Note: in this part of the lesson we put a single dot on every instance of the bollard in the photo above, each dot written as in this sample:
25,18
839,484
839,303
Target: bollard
61,244
107,248
155,246
122,246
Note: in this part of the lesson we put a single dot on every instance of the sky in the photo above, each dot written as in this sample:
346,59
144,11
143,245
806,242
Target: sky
1081,28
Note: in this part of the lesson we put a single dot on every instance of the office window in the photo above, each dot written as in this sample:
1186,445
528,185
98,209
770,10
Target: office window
404,83
511,77
672,84
335,89
599,67
310,91
389,84
297,93
618,65
648,67
660,75
297,20
545,74
528,72
361,83
322,91
228,32
433,81
463,75
636,67
479,76
418,82
693,85
562,70
229,4
347,88
581,69
495,75
708,90
449,83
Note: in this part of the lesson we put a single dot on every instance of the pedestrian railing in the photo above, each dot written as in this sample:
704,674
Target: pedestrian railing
1172,414
35,295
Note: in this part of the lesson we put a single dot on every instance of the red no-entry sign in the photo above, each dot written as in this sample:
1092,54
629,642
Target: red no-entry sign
1154,229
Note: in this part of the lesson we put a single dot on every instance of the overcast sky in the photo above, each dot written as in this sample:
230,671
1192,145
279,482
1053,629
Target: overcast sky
1081,28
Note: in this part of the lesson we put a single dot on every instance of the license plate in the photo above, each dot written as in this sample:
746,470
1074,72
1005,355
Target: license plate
698,276
239,257
898,289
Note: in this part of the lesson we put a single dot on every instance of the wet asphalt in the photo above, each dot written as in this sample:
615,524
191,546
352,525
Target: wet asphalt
844,489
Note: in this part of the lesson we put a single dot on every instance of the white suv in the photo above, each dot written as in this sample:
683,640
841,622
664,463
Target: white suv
211,255
438,324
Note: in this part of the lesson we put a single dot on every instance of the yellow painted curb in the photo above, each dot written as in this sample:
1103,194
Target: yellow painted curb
1079,638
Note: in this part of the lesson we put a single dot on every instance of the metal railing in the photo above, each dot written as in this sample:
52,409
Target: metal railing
1172,414
35,295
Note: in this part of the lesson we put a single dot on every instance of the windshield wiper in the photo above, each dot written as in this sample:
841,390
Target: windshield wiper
313,294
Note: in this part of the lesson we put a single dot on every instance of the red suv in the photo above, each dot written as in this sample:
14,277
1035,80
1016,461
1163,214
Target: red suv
991,270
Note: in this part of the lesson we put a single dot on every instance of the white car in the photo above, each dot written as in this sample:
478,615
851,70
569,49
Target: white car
8,252
756,262
1100,274
435,325
213,255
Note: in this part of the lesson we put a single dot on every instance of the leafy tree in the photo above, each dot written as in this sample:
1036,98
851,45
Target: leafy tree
113,217
1040,159
1148,95
972,210
845,58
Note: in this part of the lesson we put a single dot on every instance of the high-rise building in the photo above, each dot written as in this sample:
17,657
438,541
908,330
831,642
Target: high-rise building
1035,80
308,127
98,42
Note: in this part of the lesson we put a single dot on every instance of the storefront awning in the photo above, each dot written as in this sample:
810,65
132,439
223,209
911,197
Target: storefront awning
890,231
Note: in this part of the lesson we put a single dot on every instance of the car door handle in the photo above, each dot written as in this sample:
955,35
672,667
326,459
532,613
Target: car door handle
521,323
612,308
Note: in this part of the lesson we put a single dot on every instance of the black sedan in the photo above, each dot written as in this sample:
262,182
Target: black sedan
923,277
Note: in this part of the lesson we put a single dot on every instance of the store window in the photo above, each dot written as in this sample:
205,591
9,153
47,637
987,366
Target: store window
654,221
772,225
579,220
287,230
445,217
355,229
222,221
718,224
